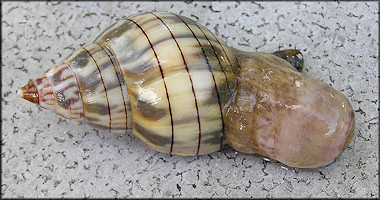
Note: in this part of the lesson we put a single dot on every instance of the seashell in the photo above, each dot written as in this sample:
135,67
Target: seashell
179,89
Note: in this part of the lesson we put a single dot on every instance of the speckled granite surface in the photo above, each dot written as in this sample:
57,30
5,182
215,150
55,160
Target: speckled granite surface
44,155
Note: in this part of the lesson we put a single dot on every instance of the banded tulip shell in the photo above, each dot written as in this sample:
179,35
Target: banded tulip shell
181,90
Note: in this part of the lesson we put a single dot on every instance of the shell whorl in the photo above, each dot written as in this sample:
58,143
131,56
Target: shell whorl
163,76
56,90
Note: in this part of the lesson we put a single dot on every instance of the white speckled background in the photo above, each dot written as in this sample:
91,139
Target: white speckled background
44,155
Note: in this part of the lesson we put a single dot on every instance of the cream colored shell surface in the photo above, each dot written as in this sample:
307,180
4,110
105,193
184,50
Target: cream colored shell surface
162,75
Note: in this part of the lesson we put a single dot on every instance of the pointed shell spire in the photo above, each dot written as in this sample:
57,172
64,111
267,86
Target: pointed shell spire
57,91
29,93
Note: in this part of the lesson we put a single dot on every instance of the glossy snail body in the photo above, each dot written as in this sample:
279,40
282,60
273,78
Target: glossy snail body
181,90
